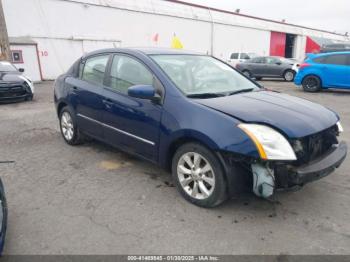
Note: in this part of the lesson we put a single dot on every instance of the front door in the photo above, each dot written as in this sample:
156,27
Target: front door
131,123
273,67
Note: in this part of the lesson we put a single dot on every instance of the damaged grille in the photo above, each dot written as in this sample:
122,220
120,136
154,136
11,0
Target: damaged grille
314,146
12,91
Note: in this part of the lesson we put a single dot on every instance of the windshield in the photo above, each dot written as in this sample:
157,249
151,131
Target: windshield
7,67
195,74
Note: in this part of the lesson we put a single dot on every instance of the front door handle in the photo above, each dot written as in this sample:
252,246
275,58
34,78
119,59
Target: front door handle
108,103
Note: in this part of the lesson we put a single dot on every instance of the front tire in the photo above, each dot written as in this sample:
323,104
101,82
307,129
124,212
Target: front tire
199,176
69,129
311,84
289,75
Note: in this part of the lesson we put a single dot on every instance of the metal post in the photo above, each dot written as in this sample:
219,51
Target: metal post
211,34
5,52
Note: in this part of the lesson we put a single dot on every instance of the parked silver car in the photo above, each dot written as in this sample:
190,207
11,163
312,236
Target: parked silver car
269,66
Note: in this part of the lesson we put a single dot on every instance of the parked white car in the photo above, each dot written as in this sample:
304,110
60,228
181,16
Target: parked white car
236,58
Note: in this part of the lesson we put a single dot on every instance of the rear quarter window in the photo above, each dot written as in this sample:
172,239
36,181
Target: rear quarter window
319,60
234,56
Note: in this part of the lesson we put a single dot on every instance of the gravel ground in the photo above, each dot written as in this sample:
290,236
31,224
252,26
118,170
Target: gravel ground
94,199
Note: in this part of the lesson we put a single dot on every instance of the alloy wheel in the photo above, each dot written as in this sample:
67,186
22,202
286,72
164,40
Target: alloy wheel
196,175
311,83
67,126
289,76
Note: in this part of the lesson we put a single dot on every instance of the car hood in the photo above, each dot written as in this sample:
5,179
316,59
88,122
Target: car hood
294,116
11,77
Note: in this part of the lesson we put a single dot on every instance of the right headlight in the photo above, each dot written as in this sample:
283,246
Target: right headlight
270,144
340,127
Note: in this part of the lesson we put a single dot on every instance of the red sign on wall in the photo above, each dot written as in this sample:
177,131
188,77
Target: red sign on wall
278,44
311,46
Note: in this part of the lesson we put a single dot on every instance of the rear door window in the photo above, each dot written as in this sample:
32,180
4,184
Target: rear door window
335,60
94,69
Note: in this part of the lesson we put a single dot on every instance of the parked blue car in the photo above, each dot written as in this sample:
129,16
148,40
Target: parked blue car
212,127
323,71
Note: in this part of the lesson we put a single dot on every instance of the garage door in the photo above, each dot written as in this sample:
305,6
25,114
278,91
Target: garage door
278,44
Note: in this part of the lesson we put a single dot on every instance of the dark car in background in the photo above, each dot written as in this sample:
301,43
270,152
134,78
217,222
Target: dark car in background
199,118
339,47
323,71
270,67
13,84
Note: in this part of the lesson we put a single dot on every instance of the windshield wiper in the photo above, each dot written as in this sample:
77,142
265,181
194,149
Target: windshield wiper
240,91
205,95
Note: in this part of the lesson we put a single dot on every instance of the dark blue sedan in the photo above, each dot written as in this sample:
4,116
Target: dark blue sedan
215,129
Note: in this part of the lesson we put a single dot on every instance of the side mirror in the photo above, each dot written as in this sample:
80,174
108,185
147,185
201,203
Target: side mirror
143,92
21,70
278,63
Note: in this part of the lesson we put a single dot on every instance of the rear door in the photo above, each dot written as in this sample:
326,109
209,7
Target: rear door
87,94
336,70
131,123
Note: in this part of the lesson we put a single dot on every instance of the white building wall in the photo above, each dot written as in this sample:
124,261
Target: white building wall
65,29
229,39
300,45
30,61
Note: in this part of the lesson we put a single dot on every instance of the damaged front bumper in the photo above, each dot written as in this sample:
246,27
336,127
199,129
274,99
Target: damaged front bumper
266,177
271,176
289,176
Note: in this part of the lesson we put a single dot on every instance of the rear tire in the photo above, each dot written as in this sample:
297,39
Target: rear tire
68,126
311,83
289,75
199,176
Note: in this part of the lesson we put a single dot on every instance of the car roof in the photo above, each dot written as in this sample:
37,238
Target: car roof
311,55
269,56
144,50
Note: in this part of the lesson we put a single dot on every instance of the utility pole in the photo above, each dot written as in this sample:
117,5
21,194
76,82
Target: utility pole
5,53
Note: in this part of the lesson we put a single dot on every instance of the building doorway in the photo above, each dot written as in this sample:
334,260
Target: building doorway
290,46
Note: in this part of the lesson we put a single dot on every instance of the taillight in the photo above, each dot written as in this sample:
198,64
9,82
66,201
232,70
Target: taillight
303,65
